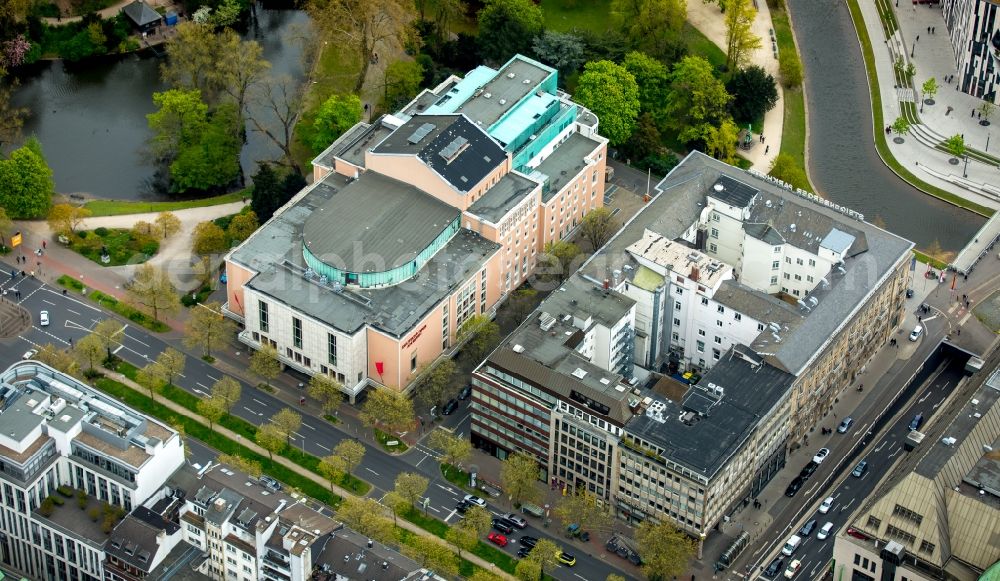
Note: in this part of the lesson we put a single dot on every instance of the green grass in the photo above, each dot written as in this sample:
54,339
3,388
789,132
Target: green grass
456,476
112,304
119,207
926,259
879,121
569,15
699,44
383,438
793,129
123,246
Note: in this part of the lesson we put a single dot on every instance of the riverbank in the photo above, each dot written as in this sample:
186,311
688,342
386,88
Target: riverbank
123,207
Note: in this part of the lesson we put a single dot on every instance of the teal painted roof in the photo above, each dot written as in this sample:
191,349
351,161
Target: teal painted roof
462,91
522,116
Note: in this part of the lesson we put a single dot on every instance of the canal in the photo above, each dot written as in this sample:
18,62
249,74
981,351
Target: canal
91,117
843,163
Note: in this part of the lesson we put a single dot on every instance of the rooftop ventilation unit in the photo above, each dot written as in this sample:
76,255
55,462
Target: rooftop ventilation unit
813,301
767,203
487,95
518,348
502,101
718,187
420,133
791,227
526,81
579,373
511,75
453,149
546,321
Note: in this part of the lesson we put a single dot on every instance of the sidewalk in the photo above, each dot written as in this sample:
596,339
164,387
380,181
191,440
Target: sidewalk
950,114
706,17
176,408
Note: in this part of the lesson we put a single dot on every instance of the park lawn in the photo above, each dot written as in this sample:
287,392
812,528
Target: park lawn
793,130
121,207
113,304
700,45
569,15
123,246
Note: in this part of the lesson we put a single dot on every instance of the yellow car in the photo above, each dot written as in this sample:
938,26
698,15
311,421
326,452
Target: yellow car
566,559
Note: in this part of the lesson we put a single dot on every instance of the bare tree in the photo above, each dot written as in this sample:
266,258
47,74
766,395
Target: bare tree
281,97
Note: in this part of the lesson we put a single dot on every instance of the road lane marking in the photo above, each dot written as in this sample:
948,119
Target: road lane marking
848,505
372,471
260,402
322,446
251,411
138,341
300,435
446,489
424,457
212,378
580,577
199,391
48,302
202,384
308,426
74,312
450,514
433,508
938,404
117,349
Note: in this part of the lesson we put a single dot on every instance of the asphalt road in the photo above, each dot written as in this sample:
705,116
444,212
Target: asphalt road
925,394
71,319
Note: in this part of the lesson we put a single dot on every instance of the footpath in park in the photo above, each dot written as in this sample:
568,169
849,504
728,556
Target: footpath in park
709,20
950,112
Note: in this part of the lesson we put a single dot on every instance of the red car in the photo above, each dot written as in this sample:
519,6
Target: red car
497,539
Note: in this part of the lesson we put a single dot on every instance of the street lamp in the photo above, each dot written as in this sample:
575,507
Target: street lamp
965,170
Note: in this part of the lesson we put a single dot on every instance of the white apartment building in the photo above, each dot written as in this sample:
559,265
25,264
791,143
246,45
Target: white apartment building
59,433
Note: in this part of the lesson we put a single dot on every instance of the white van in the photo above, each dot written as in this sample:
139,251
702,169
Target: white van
916,333
825,531
793,543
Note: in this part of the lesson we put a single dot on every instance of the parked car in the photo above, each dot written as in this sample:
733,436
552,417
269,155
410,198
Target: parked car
825,532
794,487
518,521
917,421
860,469
845,425
916,332
791,545
466,392
793,568
271,483
776,565
473,499
503,526
527,541
566,558
450,407
821,455
30,354
523,552
43,318
808,528
497,539
808,470
462,507
826,506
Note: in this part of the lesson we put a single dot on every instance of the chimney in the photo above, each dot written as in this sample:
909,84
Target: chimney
607,284
695,274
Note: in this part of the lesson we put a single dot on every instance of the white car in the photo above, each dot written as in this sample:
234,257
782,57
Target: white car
826,506
821,455
43,318
825,532
472,499
793,568
29,354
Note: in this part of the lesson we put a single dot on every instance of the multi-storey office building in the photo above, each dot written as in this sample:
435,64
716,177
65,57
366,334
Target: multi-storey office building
57,432
416,222
936,515
974,29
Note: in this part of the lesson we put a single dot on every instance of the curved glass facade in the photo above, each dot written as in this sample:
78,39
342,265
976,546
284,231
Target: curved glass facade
384,278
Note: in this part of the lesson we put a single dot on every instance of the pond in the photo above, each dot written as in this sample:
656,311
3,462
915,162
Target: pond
91,117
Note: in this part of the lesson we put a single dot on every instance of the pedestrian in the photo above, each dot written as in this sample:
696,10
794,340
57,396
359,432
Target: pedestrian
928,30
70,341
44,245
920,319
918,38
767,149
973,113
959,331
934,30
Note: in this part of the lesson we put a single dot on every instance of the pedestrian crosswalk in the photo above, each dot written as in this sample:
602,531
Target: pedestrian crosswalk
906,95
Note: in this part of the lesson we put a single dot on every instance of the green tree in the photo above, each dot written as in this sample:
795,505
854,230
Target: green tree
696,100
754,91
721,141
508,27
333,468
790,68
59,359
251,467
271,438
66,218
652,78
89,350
387,408
264,362
740,39
209,238
402,82
528,569
435,384
559,258
212,160
171,362
151,377
168,224
519,477
613,577
585,509
454,450
597,227
483,335
279,101
986,110
192,62
901,126
179,120
288,421
212,409
367,517
411,487
352,452
242,226
335,116
241,68
561,50
6,225
228,391
610,91
432,554
327,391
665,550
652,26
26,184
359,26
109,332
208,329
929,88
785,168
265,197
151,288
478,519
463,538
545,553
481,575
955,145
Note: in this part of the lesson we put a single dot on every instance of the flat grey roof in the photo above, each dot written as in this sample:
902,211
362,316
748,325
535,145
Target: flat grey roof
763,306
502,197
451,145
959,427
375,223
275,252
720,424
681,198
733,192
565,162
489,110
18,420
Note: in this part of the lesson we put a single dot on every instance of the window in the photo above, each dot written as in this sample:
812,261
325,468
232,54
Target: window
701,332
678,290
721,309
718,340
777,249
926,547
701,346
788,259
775,265
809,278
715,217
704,301
262,315
812,262
908,514
900,535
413,362
798,277
798,261
874,522
788,276
715,232
713,247
774,280
331,348
677,305
677,321
738,316
716,354
718,323
760,326
675,336
297,332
